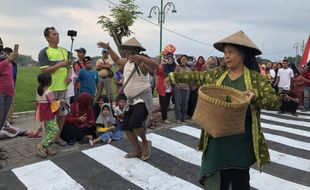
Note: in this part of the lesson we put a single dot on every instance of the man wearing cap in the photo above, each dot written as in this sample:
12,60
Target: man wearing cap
104,65
55,60
77,66
138,91
226,160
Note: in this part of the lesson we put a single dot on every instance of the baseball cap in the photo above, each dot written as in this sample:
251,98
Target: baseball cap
104,50
87,58
286,87
83,50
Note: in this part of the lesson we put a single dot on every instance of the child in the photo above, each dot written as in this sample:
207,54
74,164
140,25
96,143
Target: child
88,78
107,130
97,106
119,109
46,110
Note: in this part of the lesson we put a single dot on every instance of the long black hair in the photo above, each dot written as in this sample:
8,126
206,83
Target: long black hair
248,57
44,80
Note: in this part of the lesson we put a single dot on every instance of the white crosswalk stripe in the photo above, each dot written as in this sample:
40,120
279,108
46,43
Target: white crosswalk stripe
286,129
151,176
134,170
281,158
45,175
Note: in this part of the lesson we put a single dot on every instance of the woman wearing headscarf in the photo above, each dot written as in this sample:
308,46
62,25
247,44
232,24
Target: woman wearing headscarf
199,64
165,91
226,160
80,122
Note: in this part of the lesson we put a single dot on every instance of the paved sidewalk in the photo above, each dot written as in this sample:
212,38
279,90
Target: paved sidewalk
22,150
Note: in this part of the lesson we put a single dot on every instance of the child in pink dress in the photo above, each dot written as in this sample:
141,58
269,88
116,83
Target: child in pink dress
46,110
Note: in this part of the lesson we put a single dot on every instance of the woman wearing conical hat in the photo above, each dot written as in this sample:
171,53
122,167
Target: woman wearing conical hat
138,92
226,160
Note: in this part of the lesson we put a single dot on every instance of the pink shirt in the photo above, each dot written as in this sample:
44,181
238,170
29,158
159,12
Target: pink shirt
6,78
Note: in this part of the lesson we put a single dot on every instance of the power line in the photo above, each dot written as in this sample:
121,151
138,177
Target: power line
277,52
169,30
192,39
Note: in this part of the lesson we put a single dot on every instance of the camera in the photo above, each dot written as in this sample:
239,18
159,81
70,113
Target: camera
72,33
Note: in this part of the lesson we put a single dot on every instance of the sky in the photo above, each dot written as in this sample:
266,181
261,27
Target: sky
274,26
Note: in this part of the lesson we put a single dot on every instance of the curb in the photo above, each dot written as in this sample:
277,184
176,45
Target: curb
24,112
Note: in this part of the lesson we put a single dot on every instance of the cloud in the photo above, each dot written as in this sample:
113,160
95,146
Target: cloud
273,25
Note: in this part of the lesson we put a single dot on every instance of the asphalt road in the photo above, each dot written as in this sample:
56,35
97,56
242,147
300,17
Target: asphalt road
174,164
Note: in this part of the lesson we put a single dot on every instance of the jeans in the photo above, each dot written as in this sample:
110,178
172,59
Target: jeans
306,96
5,104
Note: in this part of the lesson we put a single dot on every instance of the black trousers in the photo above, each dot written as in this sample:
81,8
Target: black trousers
164,105
192,101
238,178
289,107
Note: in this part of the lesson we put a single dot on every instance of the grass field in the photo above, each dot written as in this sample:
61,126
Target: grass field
26,85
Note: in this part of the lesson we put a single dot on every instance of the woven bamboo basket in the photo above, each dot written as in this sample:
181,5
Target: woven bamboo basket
217,116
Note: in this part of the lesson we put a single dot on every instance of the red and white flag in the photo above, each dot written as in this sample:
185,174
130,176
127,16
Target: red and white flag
306,56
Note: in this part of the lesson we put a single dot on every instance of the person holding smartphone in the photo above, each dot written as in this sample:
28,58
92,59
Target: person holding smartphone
7,83
55,60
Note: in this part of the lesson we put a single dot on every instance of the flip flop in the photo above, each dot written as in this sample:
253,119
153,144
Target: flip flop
133,155
146,154
42,152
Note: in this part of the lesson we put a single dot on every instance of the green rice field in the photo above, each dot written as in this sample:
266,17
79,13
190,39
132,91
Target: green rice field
26,84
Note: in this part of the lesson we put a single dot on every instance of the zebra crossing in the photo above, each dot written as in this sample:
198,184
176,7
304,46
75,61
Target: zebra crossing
174,164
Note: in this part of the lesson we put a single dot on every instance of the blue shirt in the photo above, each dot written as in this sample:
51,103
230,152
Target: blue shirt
88,81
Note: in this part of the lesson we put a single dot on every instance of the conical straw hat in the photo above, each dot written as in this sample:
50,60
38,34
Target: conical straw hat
240,39
133,42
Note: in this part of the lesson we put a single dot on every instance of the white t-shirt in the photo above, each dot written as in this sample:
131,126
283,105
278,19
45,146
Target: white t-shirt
285,77
272,73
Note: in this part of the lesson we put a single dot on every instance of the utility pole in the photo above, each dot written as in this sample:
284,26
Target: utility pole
296,45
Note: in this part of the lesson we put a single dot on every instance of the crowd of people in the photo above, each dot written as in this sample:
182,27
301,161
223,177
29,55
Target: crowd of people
71,108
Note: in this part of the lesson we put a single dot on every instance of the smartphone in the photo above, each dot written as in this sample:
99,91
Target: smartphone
16,46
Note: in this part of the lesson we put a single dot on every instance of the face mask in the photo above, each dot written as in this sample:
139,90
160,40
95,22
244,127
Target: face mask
189,63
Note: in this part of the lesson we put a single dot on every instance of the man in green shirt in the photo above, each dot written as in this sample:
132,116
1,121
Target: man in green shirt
54,60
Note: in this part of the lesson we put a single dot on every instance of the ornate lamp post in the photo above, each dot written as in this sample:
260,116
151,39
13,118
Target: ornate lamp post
161,13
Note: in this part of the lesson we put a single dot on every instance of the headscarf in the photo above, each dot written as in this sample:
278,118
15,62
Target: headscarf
216,63
248,58
82,105
198,65
169,67
105,120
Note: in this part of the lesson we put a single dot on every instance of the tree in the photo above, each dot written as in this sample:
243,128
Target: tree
25,60
122,17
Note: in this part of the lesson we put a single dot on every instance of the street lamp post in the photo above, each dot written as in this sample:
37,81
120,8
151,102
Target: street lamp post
296,45
161,14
